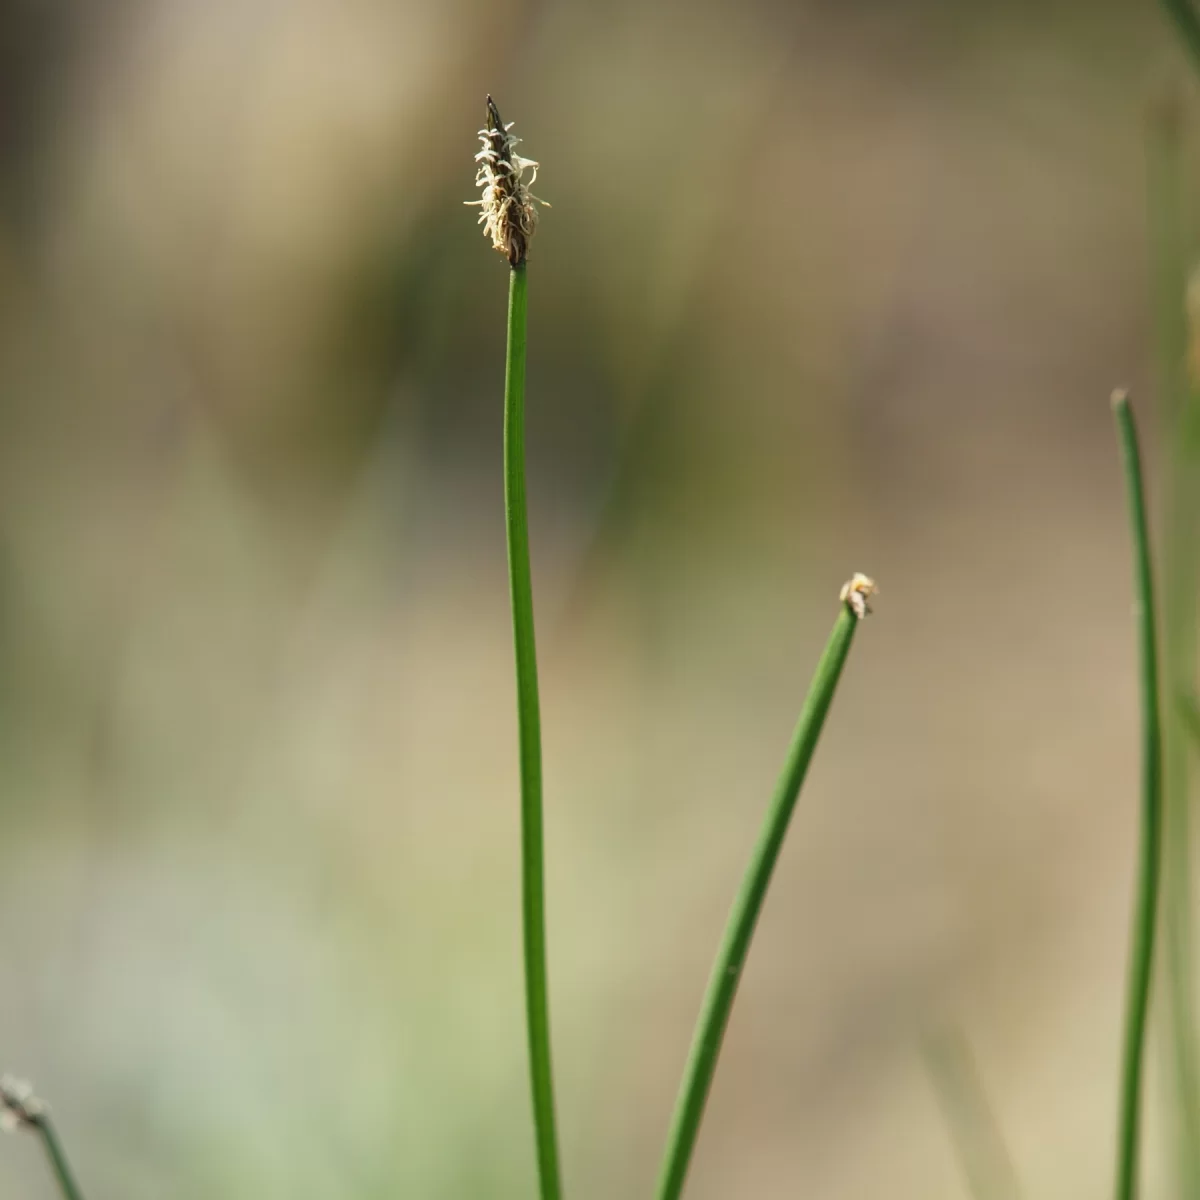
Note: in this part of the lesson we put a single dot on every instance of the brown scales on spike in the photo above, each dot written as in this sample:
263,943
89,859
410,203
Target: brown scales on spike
508,217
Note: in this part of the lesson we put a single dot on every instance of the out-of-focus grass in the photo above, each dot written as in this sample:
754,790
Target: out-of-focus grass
240,530
1170,201
975,1132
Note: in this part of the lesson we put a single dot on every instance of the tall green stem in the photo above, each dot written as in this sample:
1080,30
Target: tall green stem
1146,903
57,1157
24,1110
533,890
731,957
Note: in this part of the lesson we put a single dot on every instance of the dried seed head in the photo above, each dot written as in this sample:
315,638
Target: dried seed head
19,1107
857,592
508,217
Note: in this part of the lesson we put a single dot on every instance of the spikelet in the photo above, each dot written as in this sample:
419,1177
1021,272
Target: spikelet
857,593
508,217
19,1107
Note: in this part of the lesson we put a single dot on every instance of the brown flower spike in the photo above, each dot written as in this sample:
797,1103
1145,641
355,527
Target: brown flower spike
508,217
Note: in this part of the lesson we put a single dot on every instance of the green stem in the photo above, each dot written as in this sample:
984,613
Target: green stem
1187,23
1146,903
57,1157
731,957
533,898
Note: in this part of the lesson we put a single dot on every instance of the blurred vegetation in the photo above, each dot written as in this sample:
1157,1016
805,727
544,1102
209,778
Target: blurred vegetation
259,921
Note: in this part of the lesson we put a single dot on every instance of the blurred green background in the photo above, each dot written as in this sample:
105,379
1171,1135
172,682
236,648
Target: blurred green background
824,288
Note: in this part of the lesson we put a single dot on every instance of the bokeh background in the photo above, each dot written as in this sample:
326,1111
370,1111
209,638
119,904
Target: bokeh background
825,287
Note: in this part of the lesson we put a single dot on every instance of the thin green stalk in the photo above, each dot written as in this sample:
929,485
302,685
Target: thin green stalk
1187,25
533,898
1149,866
23,1110
735,945
58,1159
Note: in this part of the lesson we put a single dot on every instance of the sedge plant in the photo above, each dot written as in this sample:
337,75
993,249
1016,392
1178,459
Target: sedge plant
509,219
21,1109
747,905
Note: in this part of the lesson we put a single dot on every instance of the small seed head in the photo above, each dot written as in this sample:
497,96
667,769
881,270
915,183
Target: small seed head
19,1107
508,217
857,592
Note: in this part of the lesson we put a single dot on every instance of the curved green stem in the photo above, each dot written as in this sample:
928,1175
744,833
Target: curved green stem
731,957
21,1109
533,899
1141,957
57,1157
